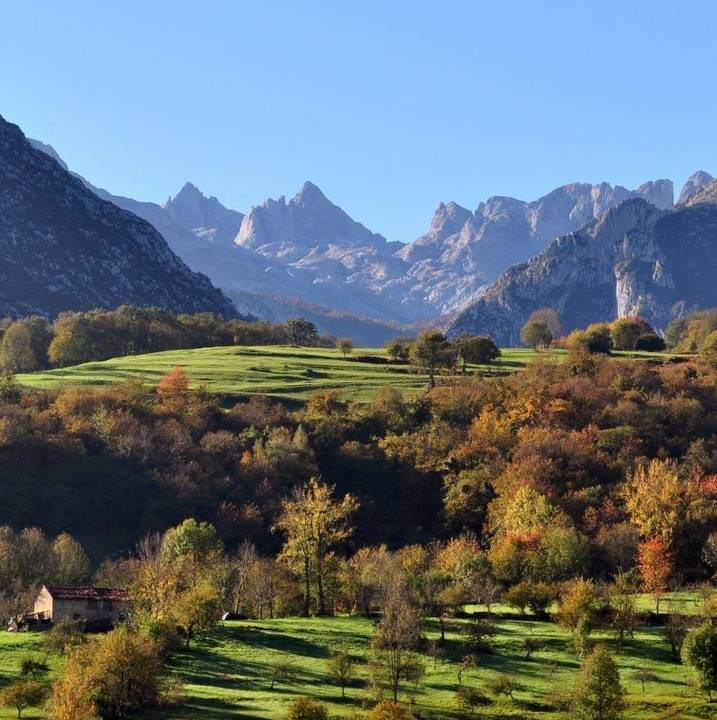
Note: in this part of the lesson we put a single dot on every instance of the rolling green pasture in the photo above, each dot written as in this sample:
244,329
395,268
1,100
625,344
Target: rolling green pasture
227,674
277,371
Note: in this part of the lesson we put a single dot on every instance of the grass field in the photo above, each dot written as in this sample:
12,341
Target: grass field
227,675
277,371
14,648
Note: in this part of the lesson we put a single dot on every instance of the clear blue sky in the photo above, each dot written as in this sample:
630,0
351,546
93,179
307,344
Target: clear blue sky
390,107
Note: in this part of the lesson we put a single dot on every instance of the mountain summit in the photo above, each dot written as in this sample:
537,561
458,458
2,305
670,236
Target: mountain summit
280,229
203,216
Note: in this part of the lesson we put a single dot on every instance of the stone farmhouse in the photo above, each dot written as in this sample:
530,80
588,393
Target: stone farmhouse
91,605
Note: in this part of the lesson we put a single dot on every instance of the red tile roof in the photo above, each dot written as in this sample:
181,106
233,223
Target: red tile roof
87,592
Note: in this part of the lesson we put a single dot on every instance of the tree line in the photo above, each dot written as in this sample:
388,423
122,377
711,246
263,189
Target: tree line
35,343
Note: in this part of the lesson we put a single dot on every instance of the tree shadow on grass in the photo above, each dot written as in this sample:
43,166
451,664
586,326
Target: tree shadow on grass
266,639
204,708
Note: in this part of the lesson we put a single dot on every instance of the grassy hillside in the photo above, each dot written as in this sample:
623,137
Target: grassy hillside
278,371
227,675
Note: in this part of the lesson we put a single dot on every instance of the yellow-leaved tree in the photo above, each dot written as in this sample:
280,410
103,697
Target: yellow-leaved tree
313,522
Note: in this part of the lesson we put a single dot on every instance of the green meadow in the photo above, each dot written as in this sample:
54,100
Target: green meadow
277,371
284,372
228,674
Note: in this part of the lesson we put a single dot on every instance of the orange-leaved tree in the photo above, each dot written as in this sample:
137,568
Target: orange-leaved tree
656,565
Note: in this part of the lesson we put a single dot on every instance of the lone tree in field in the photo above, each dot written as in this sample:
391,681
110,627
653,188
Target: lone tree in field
302,332
542,328
598,694
644,677
430,351
699,651
345,345
313,522
341,669
281,671
475,349
397,635
23,694
655,563
624,612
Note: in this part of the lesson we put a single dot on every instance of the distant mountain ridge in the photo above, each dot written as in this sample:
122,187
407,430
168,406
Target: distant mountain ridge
633,260
64,248
309,253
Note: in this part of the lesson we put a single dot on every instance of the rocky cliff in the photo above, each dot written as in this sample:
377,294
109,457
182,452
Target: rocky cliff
634,260
64,248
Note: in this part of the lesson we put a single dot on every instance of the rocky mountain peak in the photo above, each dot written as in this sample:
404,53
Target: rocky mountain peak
634,259
694,182
308,220
661,193
203,216
707,193
449,218
309,191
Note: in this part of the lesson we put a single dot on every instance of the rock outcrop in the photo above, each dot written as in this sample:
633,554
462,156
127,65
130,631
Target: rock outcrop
694,182
633,260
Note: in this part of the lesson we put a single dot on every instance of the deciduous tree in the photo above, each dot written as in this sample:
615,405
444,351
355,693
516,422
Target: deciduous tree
475,349
345,346
397,635
699,651
340,667
598,694
313,522
22,694
430,351
655,563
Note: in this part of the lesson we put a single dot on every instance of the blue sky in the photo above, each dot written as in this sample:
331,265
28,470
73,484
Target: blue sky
390,107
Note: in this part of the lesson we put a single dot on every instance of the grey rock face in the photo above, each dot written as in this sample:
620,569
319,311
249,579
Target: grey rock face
633,260
64,248
309,220
693,184
450,268
205,217
706,193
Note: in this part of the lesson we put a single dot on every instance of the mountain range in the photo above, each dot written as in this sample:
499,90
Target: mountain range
63,247
306,256
634,260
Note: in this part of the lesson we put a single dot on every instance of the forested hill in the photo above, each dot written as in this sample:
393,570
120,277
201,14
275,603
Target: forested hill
63,248
111,464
